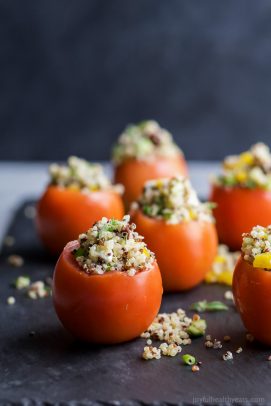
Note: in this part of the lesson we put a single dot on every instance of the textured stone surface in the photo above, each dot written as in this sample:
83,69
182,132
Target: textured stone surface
73,74
51,366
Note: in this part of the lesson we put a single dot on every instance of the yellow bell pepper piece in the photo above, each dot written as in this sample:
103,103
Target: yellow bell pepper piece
262,260
246,158
146,252
225,277
241,176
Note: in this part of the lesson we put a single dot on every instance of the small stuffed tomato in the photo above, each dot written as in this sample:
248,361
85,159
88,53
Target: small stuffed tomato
143,152
252,284
179,230
79,194
242,195
102,294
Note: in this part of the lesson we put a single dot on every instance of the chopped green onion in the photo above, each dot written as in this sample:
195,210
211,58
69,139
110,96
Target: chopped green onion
189,359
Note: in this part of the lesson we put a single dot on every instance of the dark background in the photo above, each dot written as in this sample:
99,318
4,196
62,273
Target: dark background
73,73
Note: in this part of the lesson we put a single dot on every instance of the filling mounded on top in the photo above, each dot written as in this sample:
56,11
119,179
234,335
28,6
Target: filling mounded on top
113,245
144,141
82,175
251,169
173,200
256,247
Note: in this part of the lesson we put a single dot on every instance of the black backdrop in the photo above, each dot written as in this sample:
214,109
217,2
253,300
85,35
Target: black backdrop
73,73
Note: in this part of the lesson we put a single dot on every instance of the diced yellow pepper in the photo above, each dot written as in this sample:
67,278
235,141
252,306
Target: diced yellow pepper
159,184
241,176
246,158
219,259
262,260
146,252
225,277
192,214
74,187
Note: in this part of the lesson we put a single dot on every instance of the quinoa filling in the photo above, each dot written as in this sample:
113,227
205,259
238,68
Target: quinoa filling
82,175
174,201
256,247
113,245
143,141
251,169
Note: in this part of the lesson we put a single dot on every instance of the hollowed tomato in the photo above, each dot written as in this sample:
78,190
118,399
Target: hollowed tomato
252,294
184,252
134,173
109,308
62,214
238,210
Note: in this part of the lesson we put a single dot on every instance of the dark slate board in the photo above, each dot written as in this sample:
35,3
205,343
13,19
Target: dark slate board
52,367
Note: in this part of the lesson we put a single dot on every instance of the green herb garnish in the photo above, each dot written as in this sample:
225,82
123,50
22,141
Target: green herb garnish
22,282
79,252
204,306
197,328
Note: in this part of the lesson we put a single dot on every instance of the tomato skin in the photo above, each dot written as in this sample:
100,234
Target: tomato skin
184,252
134,173
252,294
238,210
109,308
63,214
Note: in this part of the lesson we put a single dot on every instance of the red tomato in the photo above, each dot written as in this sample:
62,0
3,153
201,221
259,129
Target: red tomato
238,210
184,252
252,294
109,308
134,173
62,214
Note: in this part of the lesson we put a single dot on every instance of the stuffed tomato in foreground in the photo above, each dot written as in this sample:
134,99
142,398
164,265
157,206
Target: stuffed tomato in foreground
78,195
178,229
145,151
107,286
252,283
242,194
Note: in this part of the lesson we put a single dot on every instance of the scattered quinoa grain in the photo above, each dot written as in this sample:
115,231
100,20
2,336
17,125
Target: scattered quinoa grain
269,358
151,353
195,368
208,337
239,350
37,290
15,260
209,344
170,350
227,338
11,300
228,295
217,344
196,317
171,330
227,356
149,342
22,282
